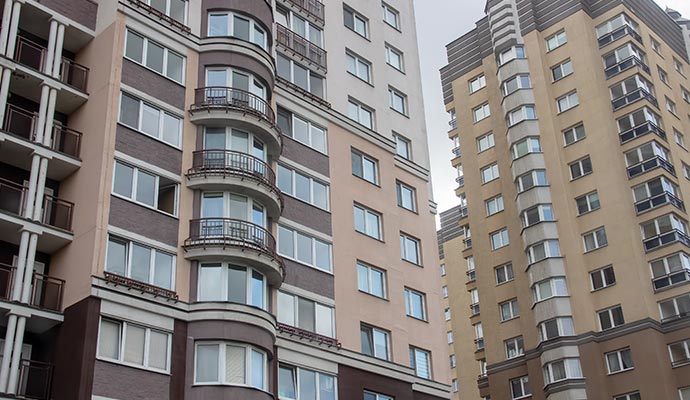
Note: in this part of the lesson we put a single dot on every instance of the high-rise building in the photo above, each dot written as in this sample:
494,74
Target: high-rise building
571,120
216,199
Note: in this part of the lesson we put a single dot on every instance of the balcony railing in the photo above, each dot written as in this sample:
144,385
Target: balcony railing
56,212
33,55
641,130
227,232
617,34
22,123
673,278
464,212
457,152
680,315
300,45
633,97
453,123
467,242
161,15
666,238
659,200
471,275
309,335
143,287
46,291
648,165
625,65
35,380
300,91
312,7
460,181
479,342
227,99
474,309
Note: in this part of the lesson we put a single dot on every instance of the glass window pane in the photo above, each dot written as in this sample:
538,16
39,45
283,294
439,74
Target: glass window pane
116,261
307,384
207,363
258,290
210,283
154,57
301,76
109,340
177,10
323,255
141,263
158,350
304,248
123,179
306,314
134,345
324,320
320,195
286,308
171,129
150,120
257,369
301,130
235,362
163,270
237,284
218,25
326,387
286,242
362,278
286,383
135,47
302,187
146,188
376,283
129,111
241,28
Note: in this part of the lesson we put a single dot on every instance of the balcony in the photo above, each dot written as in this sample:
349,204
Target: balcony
625,65
471,275
460,181
215,105
456,151
300,46
179,25
474,309
453,123
33,55
666,238
641,130
479,343
671,279
56,212
312,8
617,34
234,170
680,315
226,239
308,335
463,212
143,287
632,97
650,164
35,381
657,201
46,291
467,242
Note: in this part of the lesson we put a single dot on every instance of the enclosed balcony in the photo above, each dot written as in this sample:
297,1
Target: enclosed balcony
227,239
664,230
671,279
300,46
632,97
617,34
641,130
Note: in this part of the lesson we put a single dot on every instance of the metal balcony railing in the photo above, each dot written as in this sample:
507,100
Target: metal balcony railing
300,45
453,123
632,97
467,242
464,212
228,232
228,98
479,342
309,335
460,181
56,212
670,279
23,123
666,238
33,55
650,164
161,15
144,287
312,7
640,130
457,152
624,65
471,275
46,291
659,200
617,34
35,380
474,308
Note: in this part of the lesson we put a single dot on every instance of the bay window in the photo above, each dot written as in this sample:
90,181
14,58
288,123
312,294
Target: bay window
232,283
556,327
546,289
537,214
567,368
670,270
518,115
543,250
228,363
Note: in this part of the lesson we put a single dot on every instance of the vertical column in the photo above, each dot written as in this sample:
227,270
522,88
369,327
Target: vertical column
50,55
16,355
13,29
7,351
5,26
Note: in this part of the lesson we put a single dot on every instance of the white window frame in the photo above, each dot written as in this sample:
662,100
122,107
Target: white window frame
253,26
366,213
400,189
502,236
371,161
372,331
565,68
152,262
399,55
508,273
532,144
608,312
357,17
167,9
414,351
663,76
394,95
519,343
525,389
567,102
224,267
598,237
364,266
494,205
135,176
311,126
313,240
601,272
581,167
549,288
161,112
222,361
317,377
485,142
571,366
551,249
632,396
490,173
556,40
389,11
589,202
564,329
510,54
544,213
144,56
515,83
294,313
615,23
409,295
481,112
618,354
361,108
404,238
674,302
684,345
537,176
312,182
671,106
360,65
576,132
512,306
477,83
523,113
123,340
310,74
403,146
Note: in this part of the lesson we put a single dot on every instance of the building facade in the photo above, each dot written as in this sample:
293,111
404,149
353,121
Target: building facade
570,121
216,199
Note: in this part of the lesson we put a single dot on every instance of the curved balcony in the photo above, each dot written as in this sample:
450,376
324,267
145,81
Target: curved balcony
238,172
223,106
234,240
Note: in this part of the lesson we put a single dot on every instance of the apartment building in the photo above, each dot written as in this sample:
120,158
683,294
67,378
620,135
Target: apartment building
570,121
216,199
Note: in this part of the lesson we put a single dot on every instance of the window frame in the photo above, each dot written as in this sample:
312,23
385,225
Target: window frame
513,307
394,94
557,287
603,276
481,83
361,107
310,75
572,100
156,188
369,268
504,238
409,295
317,378
122,340
609,314
560,327
391,50
128,243
485,112
413,357
487,138
144,56
358,61
620,359
396,16
563,69
519,343
371,329
401,142
400,186
525,389
222,363
312,182
595,235
224,293
161,119
366,213
509,276
567,369
560,38
295,313
498,205
372,161
364,21
230,24
404,238
313,241
581,166
588,202
493,169
311,126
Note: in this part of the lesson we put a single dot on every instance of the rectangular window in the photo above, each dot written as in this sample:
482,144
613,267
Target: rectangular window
509,309
453,361
305,314
415,304
567,368
444,291
358,66
515,52
481,112
230,364
449,337
371,280
680,353
375,396
562,70
567,102
397,100
557,327
150,120
145,188
676,307
364,167
685,94
367,221
360,113
301,383
595,239
548,288
671,107
477,83
519,387
302,130
636,396
602,278
303,187
524,113
406,196
514,347
409,247
140,262
485,142
670,270
499,239
679,138
394,58
611,318
446,314
525,146
588,202
678,66
516,83
391,16
300,76
537,214
306,249
543,250
494,205
580,168
420,361
375,342
154,56
504,273
556,40
134,345
403,146
489,173
531,179
356,22
663,76
619,361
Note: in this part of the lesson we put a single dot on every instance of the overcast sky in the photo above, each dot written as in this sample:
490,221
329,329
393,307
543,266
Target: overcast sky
439,22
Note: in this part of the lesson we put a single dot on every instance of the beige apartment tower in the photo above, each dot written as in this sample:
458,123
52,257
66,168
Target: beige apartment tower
571,121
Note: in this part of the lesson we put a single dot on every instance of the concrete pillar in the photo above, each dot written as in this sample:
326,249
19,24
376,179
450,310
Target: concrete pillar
33,182
57,63
29,270
21,266
4,91
42,107
5,25
50,118
16,356
12,31
7,352
50,54
40,190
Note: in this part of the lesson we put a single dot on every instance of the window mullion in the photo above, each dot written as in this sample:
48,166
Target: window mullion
152,263
147,339
128,267
121,355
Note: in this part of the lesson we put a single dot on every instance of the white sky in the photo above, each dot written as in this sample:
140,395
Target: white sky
439,22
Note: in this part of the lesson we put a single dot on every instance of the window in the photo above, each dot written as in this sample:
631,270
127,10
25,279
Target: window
302,130
446,314
670,270
358,66
614,24
305,314
409,247
474,298
360,113
140,262
537,214
680,352
632,396
485,142
299,25
516,83
511,54
134,345
420,361
504,273
489,173
519,387
471,275
478,335
675,307
602,278
391,16
611,318
154,56
518,115
415,304
595,239
619,361
237,26
303,187
300,76
403,147
397,100
656,46
499,239
371,280
477,83
543,250
449,336
546,289
306,249
494,205
661,225
556,40
444,291
301,383
671,107
526,146
567,368
150,120
481,112
562,70
515,347
654,193
175,9
679,138
232,283
574,134
406,196
375,396
635,83
453,362
455,385
145,188
375,342
364,167
356,22
567,102
678,66
394,58
685,94
622,53
509,309
580,168
663,76
228,363
645,152
531,179
588,202
638,118
557,327
367,221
